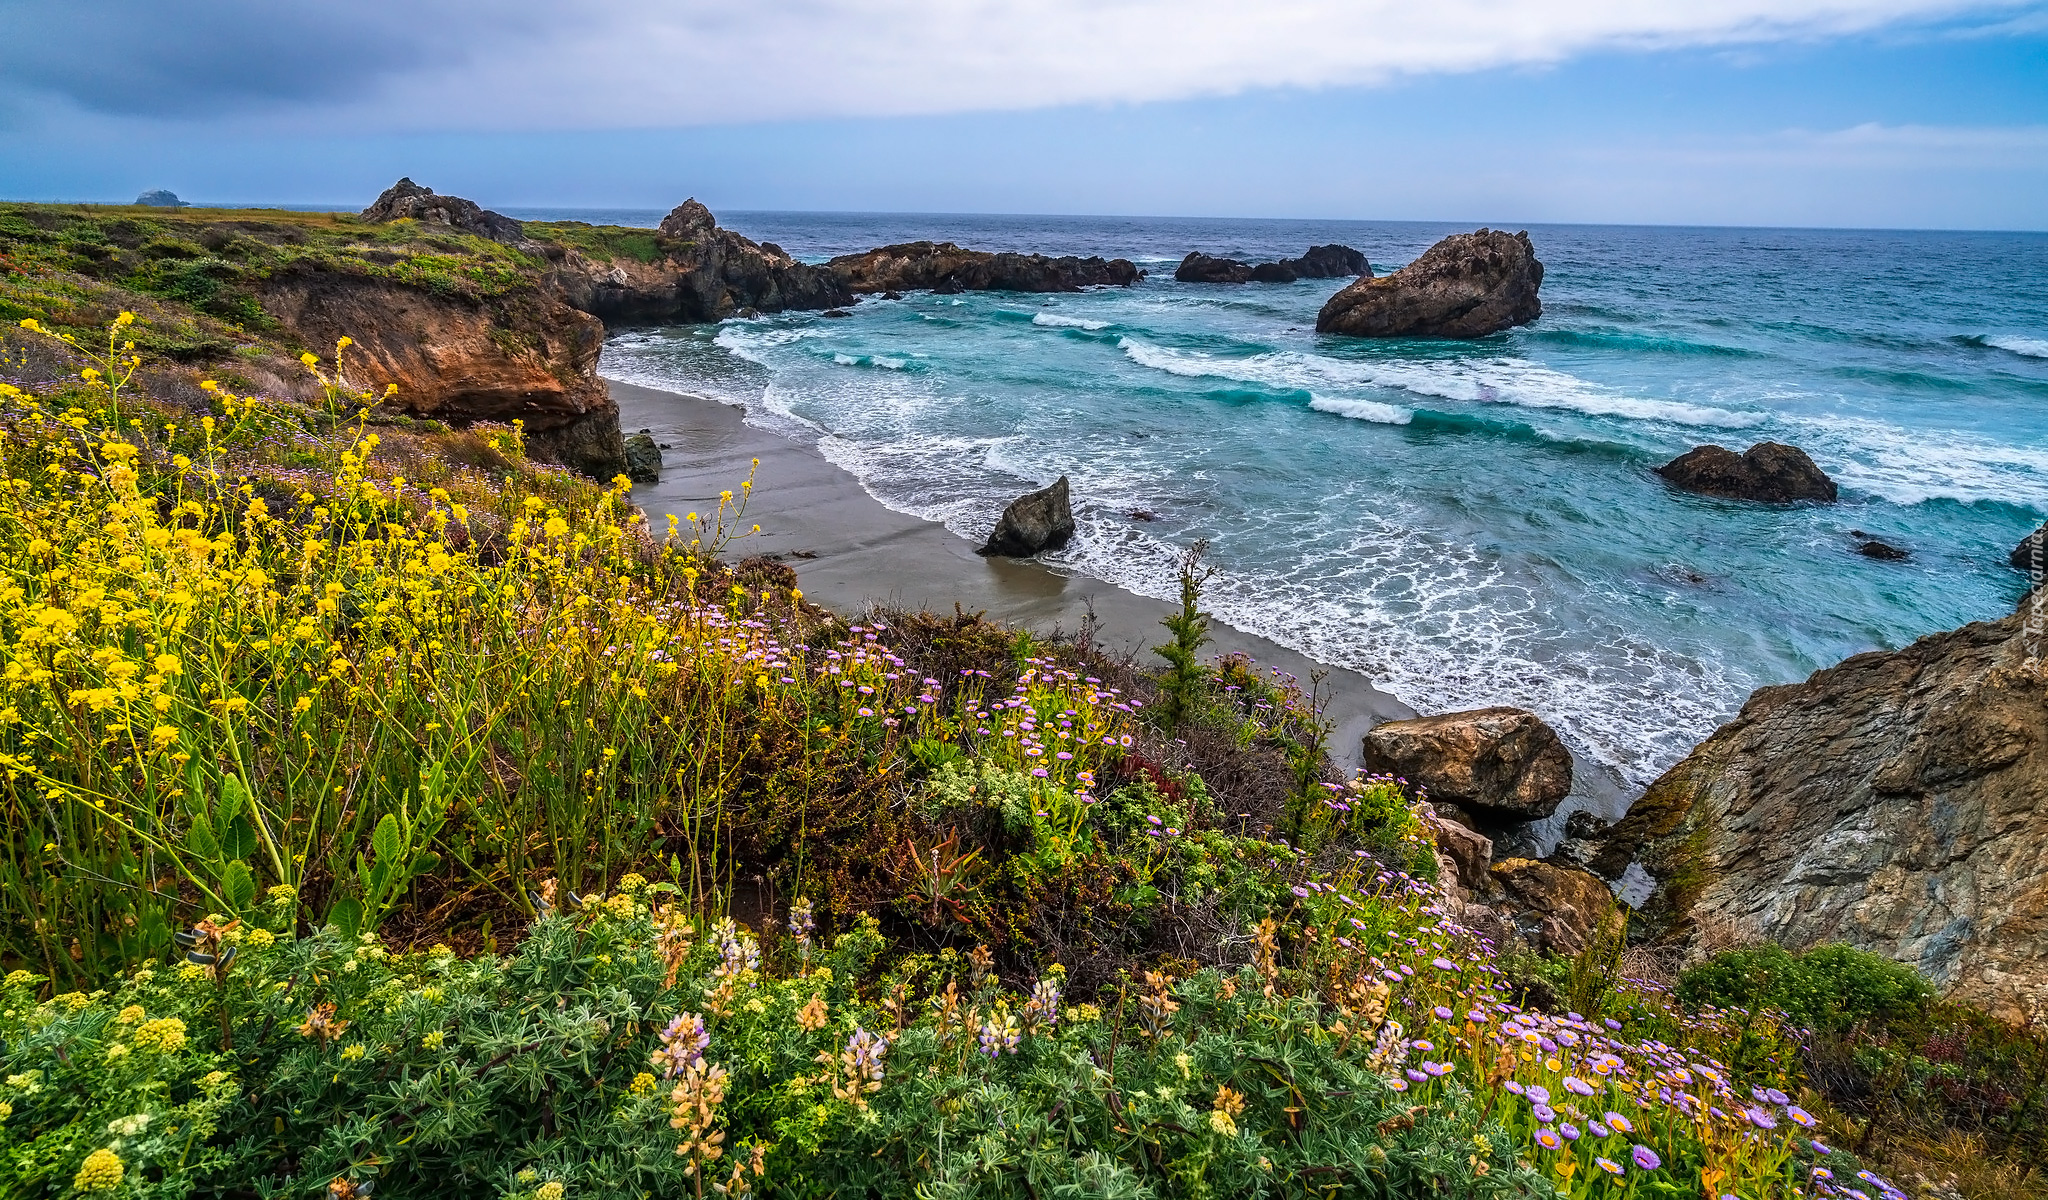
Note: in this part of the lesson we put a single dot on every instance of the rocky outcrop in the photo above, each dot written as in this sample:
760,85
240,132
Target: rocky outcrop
1468,285
946,268
1897,802
408,201
702,273
1468,852
1042,520
1496,764
1768,471
643,458
1321,262
2032,552
523,355
1557,909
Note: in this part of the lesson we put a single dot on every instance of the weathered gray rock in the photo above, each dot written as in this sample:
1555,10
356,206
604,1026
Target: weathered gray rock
643,458
1768,471
1468,285
2032,552
408,201
1897,802
1558,909
1498,764
1042,520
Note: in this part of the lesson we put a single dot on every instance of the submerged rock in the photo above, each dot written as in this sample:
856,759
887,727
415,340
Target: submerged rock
946,269
1883,551
1771,472
1468,285
1042,520
643,458
1497,764
408,201
1897,802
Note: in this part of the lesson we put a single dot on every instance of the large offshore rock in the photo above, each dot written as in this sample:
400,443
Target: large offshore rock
1768,471
1498,764
945,267
1041,520
1321,262
1198,267
1468,285
1897,802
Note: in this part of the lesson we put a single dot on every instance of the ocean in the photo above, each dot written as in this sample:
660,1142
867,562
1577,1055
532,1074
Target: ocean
1467,523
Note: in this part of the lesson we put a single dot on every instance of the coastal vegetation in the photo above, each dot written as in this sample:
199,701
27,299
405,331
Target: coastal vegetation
389,813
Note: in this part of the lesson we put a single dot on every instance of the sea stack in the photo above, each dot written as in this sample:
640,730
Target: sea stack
1041,520
1468,285
1771,472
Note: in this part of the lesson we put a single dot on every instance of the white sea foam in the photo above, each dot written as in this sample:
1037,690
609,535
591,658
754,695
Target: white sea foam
1908,466
2030,347
1056,321
1500,380
1362,410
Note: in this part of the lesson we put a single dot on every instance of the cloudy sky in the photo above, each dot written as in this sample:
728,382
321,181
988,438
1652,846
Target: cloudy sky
1922,113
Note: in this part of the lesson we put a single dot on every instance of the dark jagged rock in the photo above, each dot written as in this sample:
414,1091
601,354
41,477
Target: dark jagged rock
1042,520
2032,552
1198,267
408,201
946,269
1468,285
1882,551
643,458
1897,802
1497,764
1771,472
1321,262
161,198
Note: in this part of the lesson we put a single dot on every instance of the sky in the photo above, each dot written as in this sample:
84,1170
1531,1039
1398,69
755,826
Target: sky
1885,113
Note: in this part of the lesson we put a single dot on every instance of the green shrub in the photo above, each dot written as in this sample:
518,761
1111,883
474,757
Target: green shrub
1829,988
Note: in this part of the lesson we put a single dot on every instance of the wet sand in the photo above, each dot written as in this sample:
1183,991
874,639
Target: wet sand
849,551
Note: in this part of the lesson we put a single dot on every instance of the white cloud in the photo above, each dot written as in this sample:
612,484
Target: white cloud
545,63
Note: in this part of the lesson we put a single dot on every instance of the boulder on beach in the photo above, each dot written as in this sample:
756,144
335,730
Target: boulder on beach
1468,285
643,458
1042,520
1496,764
1771,472
1321,262
1897,802
408,201
2032,552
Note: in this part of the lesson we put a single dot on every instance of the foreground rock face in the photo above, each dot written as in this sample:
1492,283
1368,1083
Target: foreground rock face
1768,471
1897,802
1468,285
1498,764
2032,552
408,201
1042,520
524,356
946,268
1558,909
1321,262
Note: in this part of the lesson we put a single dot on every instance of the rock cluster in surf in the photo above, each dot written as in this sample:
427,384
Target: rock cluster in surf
948,269
1468,285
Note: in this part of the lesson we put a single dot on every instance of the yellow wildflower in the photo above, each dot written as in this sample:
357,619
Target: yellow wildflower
101,1172
165,1035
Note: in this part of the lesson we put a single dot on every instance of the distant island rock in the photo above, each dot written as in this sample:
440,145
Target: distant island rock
1321,262
161,198
949,270
1771,472
1897,802
1040,520
1468,285
408,201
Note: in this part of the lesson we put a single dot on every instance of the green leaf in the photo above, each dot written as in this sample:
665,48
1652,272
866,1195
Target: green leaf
425,863
195,788
347,916
200,839
233,797
238,840
239,884
386,841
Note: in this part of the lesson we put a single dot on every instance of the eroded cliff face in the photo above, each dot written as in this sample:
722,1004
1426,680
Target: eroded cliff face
521,355
1897,802
704,274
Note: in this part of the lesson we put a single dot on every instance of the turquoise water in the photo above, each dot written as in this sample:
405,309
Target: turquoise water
1467,523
